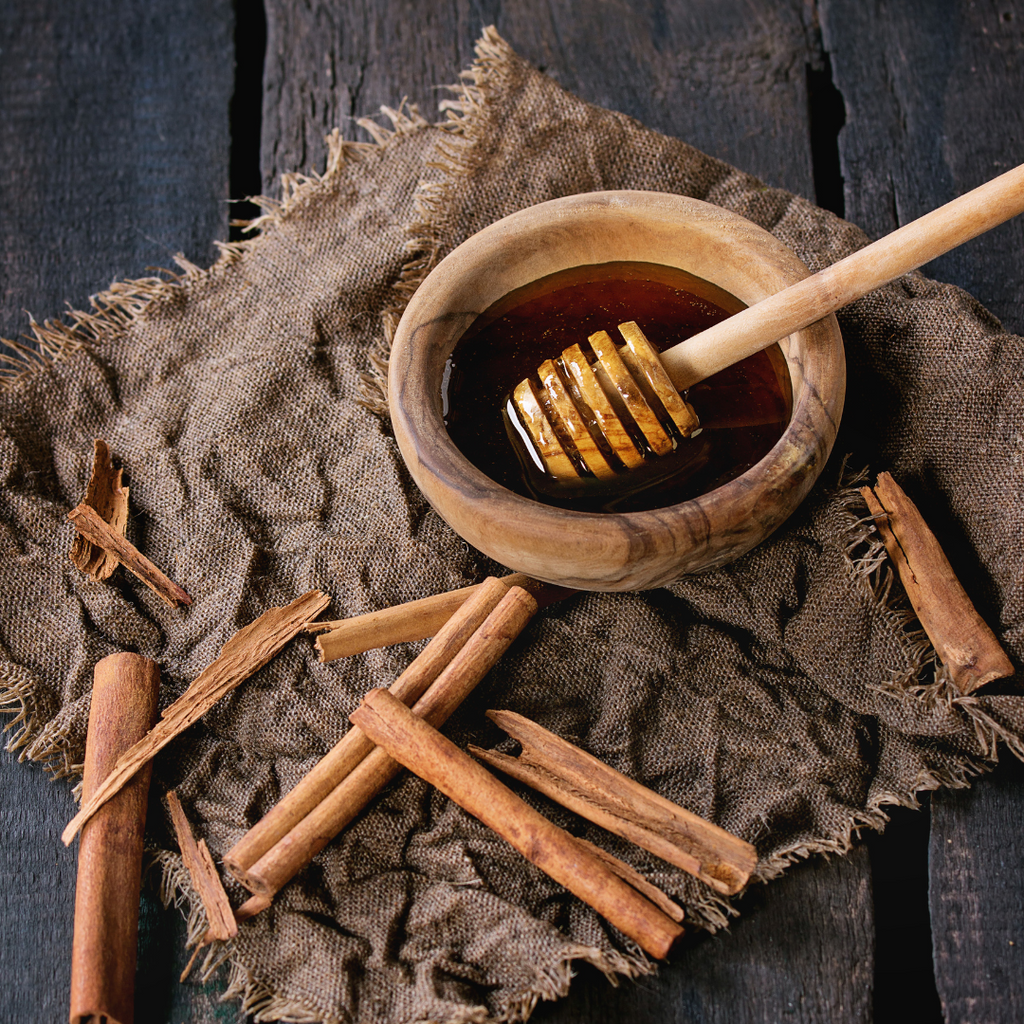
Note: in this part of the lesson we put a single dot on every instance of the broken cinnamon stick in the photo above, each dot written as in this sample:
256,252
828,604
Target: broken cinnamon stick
202,871
424,751
245,653
412,621
124,703
250,908
105,494
340,761
961,638
91,526
599,793
307,838
629,874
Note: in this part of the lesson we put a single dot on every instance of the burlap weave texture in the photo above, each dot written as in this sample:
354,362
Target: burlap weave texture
768,696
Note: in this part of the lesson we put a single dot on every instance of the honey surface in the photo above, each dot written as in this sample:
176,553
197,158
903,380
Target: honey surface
743,410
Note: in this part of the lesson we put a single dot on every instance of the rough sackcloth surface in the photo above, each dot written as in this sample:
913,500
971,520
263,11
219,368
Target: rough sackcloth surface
787,697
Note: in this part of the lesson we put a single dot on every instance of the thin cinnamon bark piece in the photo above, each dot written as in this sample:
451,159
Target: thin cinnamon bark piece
105,494
423,750
343,758
415,620
961,638
245,653
203,872
296,849
124,703
629,874
599,793
91,526
250,908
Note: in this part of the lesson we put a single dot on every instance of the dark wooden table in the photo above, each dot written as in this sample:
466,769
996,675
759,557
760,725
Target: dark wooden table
125,128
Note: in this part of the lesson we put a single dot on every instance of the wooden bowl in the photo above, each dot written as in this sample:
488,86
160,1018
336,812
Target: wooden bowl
614,551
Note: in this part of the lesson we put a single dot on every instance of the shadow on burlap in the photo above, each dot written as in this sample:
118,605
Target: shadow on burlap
770,696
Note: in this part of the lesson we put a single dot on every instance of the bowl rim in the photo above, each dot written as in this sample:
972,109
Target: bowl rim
480,510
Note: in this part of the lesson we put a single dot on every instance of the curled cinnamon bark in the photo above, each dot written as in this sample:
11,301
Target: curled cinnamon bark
91,526
105,494
469,665
201,869
961,638
124,703
599,793
423,750
245,653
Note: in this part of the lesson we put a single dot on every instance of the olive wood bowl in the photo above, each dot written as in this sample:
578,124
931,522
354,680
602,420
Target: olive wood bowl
610,551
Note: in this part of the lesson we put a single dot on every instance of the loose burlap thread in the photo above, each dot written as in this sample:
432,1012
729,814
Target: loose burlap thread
789,696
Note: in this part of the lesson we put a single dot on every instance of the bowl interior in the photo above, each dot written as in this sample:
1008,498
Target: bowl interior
620,551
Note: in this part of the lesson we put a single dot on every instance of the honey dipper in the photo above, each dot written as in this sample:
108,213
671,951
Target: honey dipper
627,406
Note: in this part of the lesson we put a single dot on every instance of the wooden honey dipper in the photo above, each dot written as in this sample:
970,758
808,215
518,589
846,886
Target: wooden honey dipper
598,419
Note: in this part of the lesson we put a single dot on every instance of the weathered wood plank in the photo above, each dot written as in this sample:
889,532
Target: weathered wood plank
802,952
977,898
113,145
37,895
113,156
726,76
932,96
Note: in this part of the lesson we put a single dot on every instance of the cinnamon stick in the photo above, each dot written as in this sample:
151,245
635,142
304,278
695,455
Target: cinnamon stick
961,638
307,838
91,526
629,874
340,761
424,751
599,793
245,653
415,620
124,703
201,869
105,494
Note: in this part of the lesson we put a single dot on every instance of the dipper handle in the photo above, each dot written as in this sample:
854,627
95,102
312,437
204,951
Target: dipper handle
905,249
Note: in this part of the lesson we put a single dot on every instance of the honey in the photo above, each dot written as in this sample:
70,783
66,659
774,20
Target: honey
743,409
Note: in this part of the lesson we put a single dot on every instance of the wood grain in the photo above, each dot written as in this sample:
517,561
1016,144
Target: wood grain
113,145
932,106
976,857
931,94
727,76
802,952
635,550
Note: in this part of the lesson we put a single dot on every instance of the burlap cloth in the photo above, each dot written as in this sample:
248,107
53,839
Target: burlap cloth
769,696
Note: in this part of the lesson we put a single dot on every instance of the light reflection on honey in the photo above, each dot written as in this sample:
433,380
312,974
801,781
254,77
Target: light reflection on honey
743,410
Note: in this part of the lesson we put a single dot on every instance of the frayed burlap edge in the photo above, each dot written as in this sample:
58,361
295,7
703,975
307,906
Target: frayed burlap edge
924,679
456,157
264,1004
114,310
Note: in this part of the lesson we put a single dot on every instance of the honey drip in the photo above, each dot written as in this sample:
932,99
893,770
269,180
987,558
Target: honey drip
743,410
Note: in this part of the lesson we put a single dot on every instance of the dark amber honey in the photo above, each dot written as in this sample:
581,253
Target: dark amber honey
743,410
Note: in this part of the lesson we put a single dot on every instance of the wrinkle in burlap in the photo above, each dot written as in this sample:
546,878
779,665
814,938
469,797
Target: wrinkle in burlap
768,696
